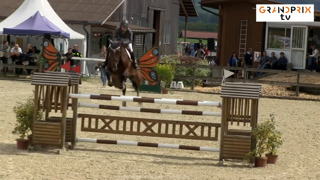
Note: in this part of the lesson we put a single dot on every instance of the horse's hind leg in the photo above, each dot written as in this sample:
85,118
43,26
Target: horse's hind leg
124,103
136,87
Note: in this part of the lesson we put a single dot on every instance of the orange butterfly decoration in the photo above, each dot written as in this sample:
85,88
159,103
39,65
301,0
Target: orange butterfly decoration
51,54
147,63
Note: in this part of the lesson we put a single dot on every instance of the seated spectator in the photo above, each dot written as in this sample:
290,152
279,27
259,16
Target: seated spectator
272,61
282,62
5,57
15,53
213,61
233,60
29,58
36,50
316,66
68,56
188,50
313,57
262,61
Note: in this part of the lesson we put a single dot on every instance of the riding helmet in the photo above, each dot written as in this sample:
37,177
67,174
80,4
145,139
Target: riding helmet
124,23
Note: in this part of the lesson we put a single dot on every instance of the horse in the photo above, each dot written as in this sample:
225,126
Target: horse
200,54
120,68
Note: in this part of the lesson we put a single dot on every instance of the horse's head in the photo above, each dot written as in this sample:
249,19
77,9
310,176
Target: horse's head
114,55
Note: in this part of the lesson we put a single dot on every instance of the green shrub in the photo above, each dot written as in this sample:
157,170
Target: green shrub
172,59
187,71
267,138
165,73
24,118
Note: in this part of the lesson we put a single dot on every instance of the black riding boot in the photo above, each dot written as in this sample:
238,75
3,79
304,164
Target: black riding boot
133,60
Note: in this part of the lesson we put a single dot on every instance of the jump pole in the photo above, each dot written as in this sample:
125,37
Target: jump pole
149,110
145,144
146,99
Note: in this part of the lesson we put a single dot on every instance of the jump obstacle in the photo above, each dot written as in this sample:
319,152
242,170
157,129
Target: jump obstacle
239,109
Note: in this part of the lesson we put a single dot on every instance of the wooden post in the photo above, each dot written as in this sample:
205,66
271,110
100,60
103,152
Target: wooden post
75,116
36,107
224,115
298,82
64,106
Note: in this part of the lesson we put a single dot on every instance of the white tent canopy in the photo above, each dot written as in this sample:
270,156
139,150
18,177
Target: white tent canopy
29,8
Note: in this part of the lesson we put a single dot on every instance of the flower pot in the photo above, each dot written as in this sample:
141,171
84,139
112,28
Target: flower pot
260,161
165,91
22,144
272,159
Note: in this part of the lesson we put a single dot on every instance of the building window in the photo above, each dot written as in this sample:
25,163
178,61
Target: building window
138,39
279,38
167,33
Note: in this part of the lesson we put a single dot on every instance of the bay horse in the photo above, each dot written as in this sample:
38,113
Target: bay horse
119,66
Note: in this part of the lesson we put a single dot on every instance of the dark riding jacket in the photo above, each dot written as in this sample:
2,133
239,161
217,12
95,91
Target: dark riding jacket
126,35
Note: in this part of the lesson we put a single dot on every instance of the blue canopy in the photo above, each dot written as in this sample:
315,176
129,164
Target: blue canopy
36,25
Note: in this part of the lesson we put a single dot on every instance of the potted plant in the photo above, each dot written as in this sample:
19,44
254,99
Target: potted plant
165,73
274,142
260,135
24,120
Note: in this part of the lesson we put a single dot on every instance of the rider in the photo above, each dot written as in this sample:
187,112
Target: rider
124,32
199,47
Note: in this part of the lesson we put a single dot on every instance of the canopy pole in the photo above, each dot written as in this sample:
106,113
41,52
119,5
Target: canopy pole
2,41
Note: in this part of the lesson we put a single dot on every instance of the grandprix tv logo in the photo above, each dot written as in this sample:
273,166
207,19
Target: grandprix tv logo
285,13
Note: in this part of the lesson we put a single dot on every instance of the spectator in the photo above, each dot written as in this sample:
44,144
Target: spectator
36,50
282,62
188,50
313,57
15,53
316,66
5,57
206,51
29,59
233,60
68,56
213,61
240,63
264,59
76,53
272,61
103,55
248,58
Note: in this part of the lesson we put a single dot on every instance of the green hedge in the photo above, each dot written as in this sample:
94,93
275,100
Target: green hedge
188,71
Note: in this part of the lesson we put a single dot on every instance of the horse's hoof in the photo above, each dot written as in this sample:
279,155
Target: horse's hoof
109,84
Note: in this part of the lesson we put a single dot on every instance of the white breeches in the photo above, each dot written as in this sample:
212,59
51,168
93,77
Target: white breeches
130,47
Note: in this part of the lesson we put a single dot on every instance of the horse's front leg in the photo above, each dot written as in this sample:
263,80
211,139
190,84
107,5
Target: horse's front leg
124,89
108,78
